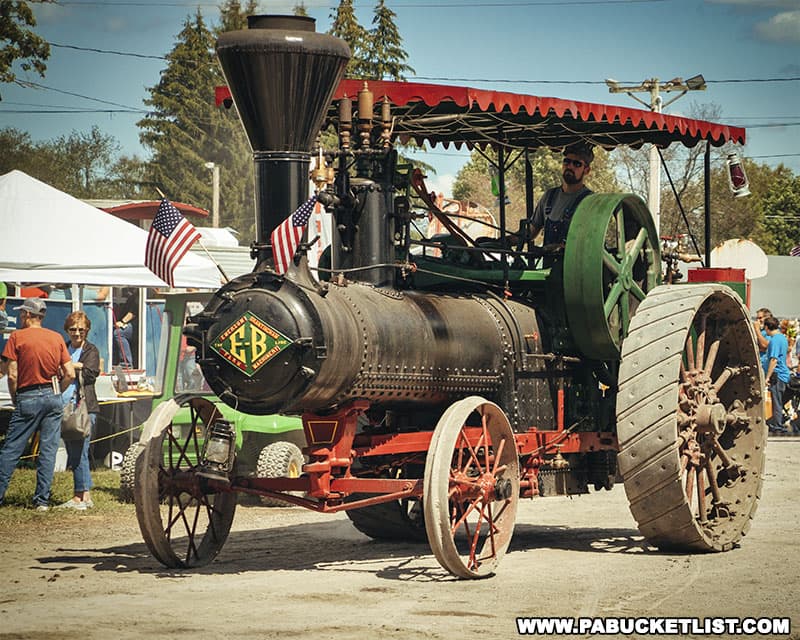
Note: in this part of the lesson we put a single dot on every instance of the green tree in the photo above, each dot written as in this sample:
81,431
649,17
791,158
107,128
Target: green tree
386,59
18,42
346,26
80,163
19,152
781,208
128,179
186,130
300,9
233,16
85,158
237,177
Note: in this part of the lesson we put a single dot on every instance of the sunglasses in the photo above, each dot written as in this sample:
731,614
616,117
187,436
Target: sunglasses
76,330
575,163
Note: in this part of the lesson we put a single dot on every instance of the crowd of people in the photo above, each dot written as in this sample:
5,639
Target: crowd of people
780,360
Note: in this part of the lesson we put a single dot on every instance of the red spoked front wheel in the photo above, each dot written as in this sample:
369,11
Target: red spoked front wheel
471,488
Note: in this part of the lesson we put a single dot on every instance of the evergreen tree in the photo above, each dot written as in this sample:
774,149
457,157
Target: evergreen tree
186,130
385,55
237,178
180,130
233,17
300,9
346,26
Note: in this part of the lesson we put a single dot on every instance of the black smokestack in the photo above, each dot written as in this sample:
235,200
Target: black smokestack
282,75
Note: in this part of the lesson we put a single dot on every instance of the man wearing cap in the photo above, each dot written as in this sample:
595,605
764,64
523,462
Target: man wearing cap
39,368
554,211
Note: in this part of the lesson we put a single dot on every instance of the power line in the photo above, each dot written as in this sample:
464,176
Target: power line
778,155
769,125
116,53
65,111
507,81
76,95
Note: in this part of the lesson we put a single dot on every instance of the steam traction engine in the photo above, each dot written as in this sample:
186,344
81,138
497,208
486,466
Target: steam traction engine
441,381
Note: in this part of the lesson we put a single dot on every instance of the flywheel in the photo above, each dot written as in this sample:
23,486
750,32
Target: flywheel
612,259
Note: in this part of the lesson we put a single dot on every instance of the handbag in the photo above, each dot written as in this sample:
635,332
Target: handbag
75,421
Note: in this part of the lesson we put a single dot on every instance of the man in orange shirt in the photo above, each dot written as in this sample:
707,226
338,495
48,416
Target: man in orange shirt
39,368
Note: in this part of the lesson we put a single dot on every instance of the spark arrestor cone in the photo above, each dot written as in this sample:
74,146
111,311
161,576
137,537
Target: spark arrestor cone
282,75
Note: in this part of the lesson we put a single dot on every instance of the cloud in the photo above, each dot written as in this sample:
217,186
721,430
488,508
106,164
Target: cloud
782,27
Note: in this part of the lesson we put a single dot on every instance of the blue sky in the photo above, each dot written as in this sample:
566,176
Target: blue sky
545,47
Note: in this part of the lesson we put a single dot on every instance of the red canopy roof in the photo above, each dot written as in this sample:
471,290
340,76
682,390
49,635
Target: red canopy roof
442,114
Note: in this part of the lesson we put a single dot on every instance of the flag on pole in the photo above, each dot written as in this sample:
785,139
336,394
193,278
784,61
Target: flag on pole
795,251
171,236
287,235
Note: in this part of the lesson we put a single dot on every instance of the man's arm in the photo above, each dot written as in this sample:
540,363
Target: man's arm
68,377
11,370
771,367
763,342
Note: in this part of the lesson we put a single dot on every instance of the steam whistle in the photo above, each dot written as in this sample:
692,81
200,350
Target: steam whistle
737,179
218,451
365,106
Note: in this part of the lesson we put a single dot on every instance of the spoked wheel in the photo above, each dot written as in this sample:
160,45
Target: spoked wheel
471,488
184,518
690,418
611,261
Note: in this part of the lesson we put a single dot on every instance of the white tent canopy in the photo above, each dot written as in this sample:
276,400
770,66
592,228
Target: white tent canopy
50,237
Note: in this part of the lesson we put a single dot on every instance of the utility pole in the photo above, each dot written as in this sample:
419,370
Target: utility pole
215,191
654,87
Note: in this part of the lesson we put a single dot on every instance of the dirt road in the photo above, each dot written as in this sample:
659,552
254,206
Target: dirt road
290,573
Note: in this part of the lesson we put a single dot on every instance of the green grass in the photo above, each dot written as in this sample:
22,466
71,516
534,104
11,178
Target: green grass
17,506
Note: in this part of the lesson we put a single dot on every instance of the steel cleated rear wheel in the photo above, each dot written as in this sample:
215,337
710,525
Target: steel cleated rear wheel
184,517
690,418
471,488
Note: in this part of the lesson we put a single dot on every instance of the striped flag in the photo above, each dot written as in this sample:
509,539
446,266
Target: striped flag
171,236
796,251
287,235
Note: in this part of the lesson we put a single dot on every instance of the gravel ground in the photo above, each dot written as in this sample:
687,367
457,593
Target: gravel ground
287,572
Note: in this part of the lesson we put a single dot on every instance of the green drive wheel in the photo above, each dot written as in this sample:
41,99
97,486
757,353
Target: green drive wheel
612,259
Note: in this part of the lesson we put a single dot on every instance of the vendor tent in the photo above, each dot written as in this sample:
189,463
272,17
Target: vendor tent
50,237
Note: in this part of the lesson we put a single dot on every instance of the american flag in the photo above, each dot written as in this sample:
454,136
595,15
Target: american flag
796,251
171,236
286,236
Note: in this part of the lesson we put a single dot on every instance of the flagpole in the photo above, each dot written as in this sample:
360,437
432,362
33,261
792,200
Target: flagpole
199,241
216,264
